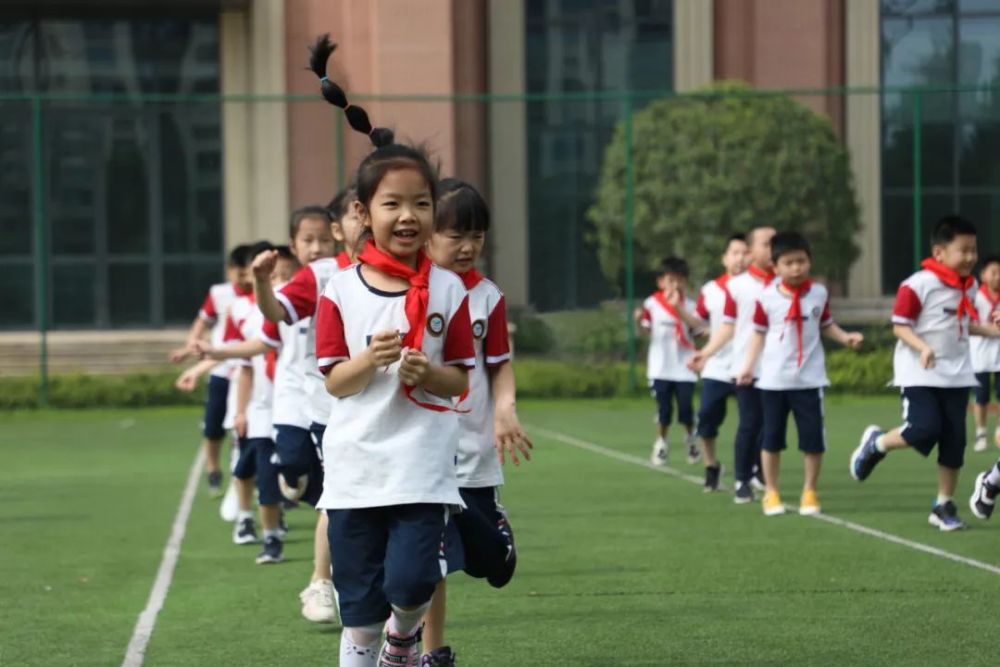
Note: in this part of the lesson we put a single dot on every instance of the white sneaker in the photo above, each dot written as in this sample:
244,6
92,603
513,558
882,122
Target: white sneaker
980,445
693,452
230,505
659,455
319,604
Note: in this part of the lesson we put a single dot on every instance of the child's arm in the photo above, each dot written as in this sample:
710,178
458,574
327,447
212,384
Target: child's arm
188,380
909,337
754,348
417,369
243,350
717,341
643,322
352,375
508,435
985,330
244,388
195,334
263,266
851,339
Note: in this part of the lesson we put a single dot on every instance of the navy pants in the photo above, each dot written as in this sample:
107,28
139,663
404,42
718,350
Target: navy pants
712,411
665,392
983,387
749,432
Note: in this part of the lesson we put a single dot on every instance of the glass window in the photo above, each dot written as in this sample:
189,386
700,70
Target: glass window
16,169
184,288
129,290
16,294
73,288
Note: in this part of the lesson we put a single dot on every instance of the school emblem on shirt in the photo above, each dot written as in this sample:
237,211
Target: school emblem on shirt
435,324
478,329
815,312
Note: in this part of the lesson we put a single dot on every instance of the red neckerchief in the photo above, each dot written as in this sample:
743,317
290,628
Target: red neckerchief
795,311
417,298
679,334
985,291
951,279
242,292
723,280
765,276
471,278
343,260
270,363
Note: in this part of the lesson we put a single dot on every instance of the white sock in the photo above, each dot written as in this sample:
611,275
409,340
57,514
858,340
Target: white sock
269,533
993,477
941,500
244,514
880,444
980,431
357,655
404,623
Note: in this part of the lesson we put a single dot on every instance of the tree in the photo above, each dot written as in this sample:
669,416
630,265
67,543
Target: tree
720,162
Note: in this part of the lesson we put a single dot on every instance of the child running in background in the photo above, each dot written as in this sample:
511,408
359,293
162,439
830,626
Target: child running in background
394,339
212,317
933,319
716,377
489,427
986,351
667,316
294,304
792,314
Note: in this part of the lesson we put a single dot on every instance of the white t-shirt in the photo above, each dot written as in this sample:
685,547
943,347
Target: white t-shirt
213,312
235,316
291,406
711,308
383,449
779,363
930,307
258,412
478,465
745,289
300,297
668,352
985,351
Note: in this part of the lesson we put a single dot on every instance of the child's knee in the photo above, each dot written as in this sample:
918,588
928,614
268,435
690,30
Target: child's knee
409,586
921,436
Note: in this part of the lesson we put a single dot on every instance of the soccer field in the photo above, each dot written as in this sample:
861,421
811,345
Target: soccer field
620,564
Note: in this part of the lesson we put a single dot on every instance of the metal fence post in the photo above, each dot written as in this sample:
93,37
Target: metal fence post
41,252
629,242
918,243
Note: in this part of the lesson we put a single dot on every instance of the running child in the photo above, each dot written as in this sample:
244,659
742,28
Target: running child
394,340
933,319
716,378
737,326
212,318
667,316
985,492
986,351
792,314
489,426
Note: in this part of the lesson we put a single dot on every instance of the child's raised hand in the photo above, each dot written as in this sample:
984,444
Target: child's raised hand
637,315
263,264
510,438
187,381
854,340
385,348
927,358
180,354
414,368
674,297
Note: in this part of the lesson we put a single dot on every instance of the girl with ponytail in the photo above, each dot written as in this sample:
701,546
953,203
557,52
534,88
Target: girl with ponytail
394,340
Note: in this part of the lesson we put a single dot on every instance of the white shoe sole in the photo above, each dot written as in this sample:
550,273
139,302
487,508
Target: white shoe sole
244,540
856,454
659,456
318,614
775,511
934,521
809,511
977,490
230,505
980,445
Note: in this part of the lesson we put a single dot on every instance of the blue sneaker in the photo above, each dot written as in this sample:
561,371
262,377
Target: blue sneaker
944,517
439,657
866,456
983,498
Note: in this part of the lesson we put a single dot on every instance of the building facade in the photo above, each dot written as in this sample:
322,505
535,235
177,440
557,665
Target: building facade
172,130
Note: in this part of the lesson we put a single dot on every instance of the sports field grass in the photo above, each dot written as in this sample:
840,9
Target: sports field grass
619,564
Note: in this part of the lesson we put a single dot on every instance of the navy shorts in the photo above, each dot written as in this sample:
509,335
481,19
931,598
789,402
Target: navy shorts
256,459
664,391
983,387
296,456
712,411
216,401
806,406
936,416
385,556
487,552
318,431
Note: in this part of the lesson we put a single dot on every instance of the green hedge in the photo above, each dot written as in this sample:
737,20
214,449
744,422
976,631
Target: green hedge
866,373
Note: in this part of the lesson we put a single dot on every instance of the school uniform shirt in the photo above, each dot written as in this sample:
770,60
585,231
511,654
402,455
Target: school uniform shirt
985,351
671,342
711,308
478,465
291,405
744,291
213,313
386,449
258,411
930,307
300,297
780,366
235,315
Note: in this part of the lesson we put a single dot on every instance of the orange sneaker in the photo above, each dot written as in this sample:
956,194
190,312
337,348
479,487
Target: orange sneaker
809,503
772,504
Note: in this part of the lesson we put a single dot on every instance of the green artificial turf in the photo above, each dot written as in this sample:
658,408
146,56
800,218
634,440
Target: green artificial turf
619,564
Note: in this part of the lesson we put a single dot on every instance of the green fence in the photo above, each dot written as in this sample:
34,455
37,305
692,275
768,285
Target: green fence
124,193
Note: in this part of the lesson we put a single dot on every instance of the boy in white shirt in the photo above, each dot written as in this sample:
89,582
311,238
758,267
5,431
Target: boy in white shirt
933,318
791,315
667,317
986,351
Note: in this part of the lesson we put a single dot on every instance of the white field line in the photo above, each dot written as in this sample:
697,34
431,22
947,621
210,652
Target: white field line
136,651
850,525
